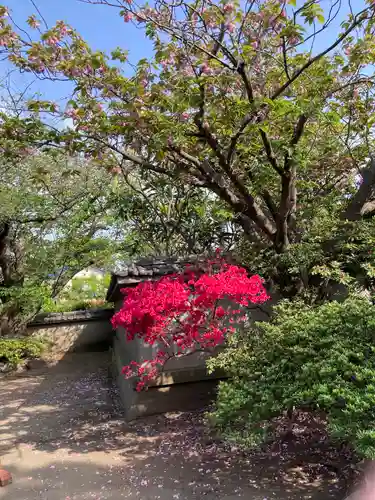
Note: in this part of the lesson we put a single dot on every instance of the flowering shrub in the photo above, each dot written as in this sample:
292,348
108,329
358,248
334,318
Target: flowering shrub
186,312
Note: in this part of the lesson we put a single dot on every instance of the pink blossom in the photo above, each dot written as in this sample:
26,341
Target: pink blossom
149,12
52,40
230,27
168,62
115,170
75,71
185,116
34,23
129,2
72,113
206,70
293,40
128,17
187,71
63,29
228,8
139,18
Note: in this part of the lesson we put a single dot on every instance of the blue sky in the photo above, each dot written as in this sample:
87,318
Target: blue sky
103,28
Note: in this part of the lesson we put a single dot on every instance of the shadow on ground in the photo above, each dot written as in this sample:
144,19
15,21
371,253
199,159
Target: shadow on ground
63,437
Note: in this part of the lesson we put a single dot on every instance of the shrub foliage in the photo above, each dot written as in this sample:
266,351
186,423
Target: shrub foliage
322,358
14,351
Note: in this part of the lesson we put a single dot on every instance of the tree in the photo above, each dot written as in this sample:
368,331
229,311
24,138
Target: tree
235,100
62,212
238,100
53,209
159,218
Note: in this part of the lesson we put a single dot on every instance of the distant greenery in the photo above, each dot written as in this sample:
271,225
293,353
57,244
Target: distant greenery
14,351
79,305
81,294
322,358
54,207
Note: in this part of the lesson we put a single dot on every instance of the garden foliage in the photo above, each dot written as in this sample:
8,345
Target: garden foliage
321,358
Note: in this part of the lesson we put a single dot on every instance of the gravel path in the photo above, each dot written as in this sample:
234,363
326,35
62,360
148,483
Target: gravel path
62,436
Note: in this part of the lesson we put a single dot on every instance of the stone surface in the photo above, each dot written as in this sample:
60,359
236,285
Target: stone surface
74,331
184,384
72,317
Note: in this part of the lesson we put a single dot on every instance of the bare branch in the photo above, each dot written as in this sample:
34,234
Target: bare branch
352,83
255,116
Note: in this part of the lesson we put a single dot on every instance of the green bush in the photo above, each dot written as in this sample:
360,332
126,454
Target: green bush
75,305
321,358
14,351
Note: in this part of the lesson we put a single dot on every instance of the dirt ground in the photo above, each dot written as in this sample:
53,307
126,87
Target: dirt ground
62,436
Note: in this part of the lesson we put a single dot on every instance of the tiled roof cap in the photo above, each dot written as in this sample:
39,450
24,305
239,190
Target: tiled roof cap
147,269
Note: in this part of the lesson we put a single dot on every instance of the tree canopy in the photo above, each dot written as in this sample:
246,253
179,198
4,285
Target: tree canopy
53,209
236,99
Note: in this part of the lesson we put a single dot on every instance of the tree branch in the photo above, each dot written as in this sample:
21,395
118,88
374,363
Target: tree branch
288,201
255,116
349,84
364,196
357,20
270,154
249,90
297,134
285,60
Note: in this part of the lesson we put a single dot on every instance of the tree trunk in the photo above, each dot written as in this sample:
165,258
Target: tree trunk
363,202
11,275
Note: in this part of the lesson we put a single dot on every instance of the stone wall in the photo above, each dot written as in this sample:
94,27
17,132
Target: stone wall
73,331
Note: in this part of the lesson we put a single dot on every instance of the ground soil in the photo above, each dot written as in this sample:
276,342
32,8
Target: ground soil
63,436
